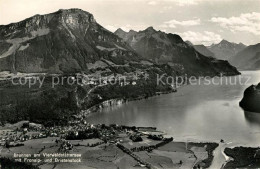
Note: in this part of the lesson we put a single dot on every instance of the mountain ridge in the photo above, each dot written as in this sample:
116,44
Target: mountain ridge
247,59
204,50
225,49
70,40
168,48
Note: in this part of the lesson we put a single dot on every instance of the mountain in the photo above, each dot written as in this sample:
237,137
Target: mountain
163,48
251,99
71,40
69,43
64,41
124,35
189,43
247,59
201,49
224,50
204,50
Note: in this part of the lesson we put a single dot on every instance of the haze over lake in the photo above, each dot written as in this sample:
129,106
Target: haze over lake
200,112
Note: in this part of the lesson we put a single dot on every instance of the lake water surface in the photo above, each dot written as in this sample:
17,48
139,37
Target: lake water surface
194,113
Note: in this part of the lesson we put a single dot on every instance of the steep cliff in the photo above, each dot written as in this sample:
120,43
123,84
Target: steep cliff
251,99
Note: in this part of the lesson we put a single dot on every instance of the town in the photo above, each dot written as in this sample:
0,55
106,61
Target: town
85,139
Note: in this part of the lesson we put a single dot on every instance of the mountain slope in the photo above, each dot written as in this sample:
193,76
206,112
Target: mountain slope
224,50
64,41
204,50
189,43
247,59
163,48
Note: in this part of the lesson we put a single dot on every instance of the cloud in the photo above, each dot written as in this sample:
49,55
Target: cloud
177,2
206,38
173,23
152,3
186,2
128,27
247,22
167,7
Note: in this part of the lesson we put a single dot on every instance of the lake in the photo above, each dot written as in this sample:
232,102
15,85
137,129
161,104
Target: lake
195,113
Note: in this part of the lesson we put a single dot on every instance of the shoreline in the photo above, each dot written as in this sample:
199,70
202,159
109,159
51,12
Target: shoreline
103,104
244,157
116,102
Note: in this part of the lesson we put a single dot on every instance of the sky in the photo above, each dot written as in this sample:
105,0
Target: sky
199,21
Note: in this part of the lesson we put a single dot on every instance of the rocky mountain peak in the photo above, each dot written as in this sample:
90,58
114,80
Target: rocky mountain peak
119,30
242,45
132,31
67,18
72,10
224,41
75,16
150,30
225,49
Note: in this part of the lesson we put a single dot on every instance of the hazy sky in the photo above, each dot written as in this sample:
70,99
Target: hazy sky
200,21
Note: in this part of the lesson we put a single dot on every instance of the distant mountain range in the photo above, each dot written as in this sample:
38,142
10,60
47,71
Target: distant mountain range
201,49
204,50
239,55
247,59
71,40
167,48
225,50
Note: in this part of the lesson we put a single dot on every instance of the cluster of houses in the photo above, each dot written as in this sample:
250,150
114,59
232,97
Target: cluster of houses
66,146
122,80
108,134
